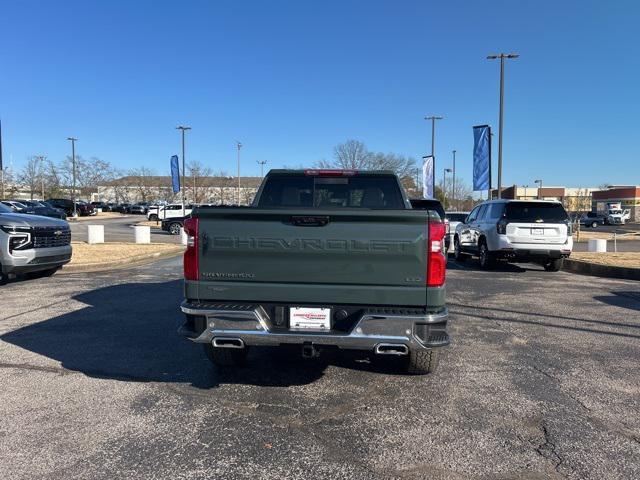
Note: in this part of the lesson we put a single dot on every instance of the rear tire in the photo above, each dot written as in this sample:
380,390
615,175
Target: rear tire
174,228
422,362
153,218
485,257
226,357
457,250
554,265
594,224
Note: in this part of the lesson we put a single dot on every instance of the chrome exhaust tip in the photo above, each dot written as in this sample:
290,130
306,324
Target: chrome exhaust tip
228,342
391,349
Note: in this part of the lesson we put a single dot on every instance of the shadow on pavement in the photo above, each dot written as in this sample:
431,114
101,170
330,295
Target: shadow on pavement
472,264
539,319
630,300
128,332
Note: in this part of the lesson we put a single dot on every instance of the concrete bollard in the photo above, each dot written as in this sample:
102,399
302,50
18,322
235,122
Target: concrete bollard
597,245
142,234
95,234
183,236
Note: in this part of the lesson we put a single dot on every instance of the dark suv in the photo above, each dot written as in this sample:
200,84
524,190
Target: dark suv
66,205
105,207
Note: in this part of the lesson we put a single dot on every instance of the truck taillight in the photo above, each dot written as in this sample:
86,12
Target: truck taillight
191,267
436,261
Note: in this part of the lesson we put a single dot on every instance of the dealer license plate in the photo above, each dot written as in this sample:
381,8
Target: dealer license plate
306,318
537,231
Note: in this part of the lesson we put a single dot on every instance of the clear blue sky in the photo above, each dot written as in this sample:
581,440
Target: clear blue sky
290,79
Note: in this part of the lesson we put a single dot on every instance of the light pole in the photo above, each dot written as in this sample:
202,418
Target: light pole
525,191
73,169
433,119
501,56
183,128
261,163
239,145
539,182
453,193
444,186
42,158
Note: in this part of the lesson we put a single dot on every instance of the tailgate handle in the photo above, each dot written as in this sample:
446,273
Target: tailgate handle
309,221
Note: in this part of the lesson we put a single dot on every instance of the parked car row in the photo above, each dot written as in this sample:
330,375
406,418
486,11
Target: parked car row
140,208
34,207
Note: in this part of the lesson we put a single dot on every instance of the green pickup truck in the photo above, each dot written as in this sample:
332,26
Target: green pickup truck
322,258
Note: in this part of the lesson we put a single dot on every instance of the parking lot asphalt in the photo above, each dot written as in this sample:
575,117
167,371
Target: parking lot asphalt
541,381
119,229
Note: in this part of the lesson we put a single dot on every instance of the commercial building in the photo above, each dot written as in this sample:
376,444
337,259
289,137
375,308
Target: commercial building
220,190
574,199
627,195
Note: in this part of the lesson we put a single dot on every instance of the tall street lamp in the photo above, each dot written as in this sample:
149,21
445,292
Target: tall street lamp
42,158
433,119
261,163
444,186
73,171
539,182
239,145
525,191
454,200
183,128
501,56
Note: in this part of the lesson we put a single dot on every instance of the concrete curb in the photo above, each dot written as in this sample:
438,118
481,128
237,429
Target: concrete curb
593,269
126,263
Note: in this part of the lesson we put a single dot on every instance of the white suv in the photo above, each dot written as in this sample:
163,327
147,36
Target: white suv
517,231
173,210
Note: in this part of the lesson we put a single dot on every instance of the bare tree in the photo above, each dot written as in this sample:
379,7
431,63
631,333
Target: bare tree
354,155
222,188
453,199
9,186
143,178
96,172
198,174
31,176
402,166
165,190
53,185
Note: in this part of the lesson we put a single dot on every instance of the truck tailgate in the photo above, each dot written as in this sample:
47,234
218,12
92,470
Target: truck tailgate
370,257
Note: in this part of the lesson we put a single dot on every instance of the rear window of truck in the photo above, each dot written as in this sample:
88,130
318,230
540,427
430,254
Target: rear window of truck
535,212
378,192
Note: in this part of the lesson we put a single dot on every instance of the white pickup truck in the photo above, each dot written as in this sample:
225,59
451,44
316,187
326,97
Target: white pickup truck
618,216
173,210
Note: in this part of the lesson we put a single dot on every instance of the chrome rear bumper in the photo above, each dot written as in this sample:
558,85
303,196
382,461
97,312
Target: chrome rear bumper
253,326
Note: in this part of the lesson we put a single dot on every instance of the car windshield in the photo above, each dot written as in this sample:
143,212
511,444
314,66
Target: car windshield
535,212
456,217
5,209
